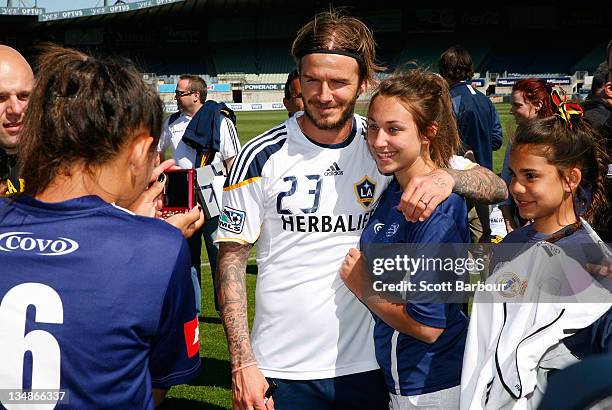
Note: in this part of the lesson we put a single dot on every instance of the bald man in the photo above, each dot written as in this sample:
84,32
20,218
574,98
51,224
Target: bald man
16,81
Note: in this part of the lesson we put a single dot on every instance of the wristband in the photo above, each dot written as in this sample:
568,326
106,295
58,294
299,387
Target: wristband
244,366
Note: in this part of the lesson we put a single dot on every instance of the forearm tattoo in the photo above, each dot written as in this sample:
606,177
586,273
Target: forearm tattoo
232,293
479,184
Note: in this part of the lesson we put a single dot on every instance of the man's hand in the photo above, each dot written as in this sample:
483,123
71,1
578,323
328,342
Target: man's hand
424,193
248,388
353,270
188,222
600,270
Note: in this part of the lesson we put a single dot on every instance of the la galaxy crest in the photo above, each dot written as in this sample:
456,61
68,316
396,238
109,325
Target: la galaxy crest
365,189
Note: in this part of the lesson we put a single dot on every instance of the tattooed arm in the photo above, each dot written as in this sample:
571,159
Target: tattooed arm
423,194
248,383
479,184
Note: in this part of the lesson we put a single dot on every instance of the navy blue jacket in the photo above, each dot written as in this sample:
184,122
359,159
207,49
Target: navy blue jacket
478,122
203,132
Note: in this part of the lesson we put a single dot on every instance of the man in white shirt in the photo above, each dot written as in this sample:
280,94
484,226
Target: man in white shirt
190,96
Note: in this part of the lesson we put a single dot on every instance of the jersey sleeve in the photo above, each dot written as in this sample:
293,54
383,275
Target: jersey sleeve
428,314
439,228
165,137
505,173
229,145
496,132
175,357
459,163
242,215
244,198
592,340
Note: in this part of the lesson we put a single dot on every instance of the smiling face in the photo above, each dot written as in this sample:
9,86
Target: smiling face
394,140
539,191
330,87
16,81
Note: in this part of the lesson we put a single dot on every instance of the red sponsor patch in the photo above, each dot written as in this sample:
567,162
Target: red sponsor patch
192,337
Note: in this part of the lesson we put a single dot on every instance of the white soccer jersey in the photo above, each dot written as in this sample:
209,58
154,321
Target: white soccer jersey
185,156
305,204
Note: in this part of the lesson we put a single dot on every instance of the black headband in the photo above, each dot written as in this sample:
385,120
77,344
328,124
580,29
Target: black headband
328,51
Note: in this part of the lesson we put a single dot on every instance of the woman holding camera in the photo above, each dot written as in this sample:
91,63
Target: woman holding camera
95,301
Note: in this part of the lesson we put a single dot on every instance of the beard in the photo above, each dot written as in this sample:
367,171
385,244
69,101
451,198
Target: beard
323,124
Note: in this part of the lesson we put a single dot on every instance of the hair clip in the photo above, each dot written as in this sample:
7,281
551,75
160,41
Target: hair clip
57,96
564,110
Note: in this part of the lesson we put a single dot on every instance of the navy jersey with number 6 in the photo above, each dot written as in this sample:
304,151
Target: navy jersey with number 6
94,301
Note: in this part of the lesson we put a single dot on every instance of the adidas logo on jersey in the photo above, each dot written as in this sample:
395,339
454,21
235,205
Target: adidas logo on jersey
333,170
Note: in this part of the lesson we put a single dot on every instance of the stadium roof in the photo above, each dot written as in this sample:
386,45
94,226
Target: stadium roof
156,8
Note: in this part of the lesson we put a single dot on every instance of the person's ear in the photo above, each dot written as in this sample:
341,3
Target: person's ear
432,130
537,106
140,150
574,176
362,87
607,90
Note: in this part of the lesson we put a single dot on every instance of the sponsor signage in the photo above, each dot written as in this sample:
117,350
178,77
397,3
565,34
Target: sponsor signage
170,107
508,82
237,107
225,87
169,88
21,11
28,242
478,82
96,11
264,87
264,106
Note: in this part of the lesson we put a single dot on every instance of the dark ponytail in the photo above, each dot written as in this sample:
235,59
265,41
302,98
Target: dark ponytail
82,110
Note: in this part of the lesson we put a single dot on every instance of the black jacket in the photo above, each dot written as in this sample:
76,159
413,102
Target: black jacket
599,114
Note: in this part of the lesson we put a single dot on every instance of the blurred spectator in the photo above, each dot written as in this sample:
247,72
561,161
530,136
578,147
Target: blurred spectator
598,112
293,94
16,81
478,124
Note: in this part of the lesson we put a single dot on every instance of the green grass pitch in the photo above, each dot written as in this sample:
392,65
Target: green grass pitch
212,390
